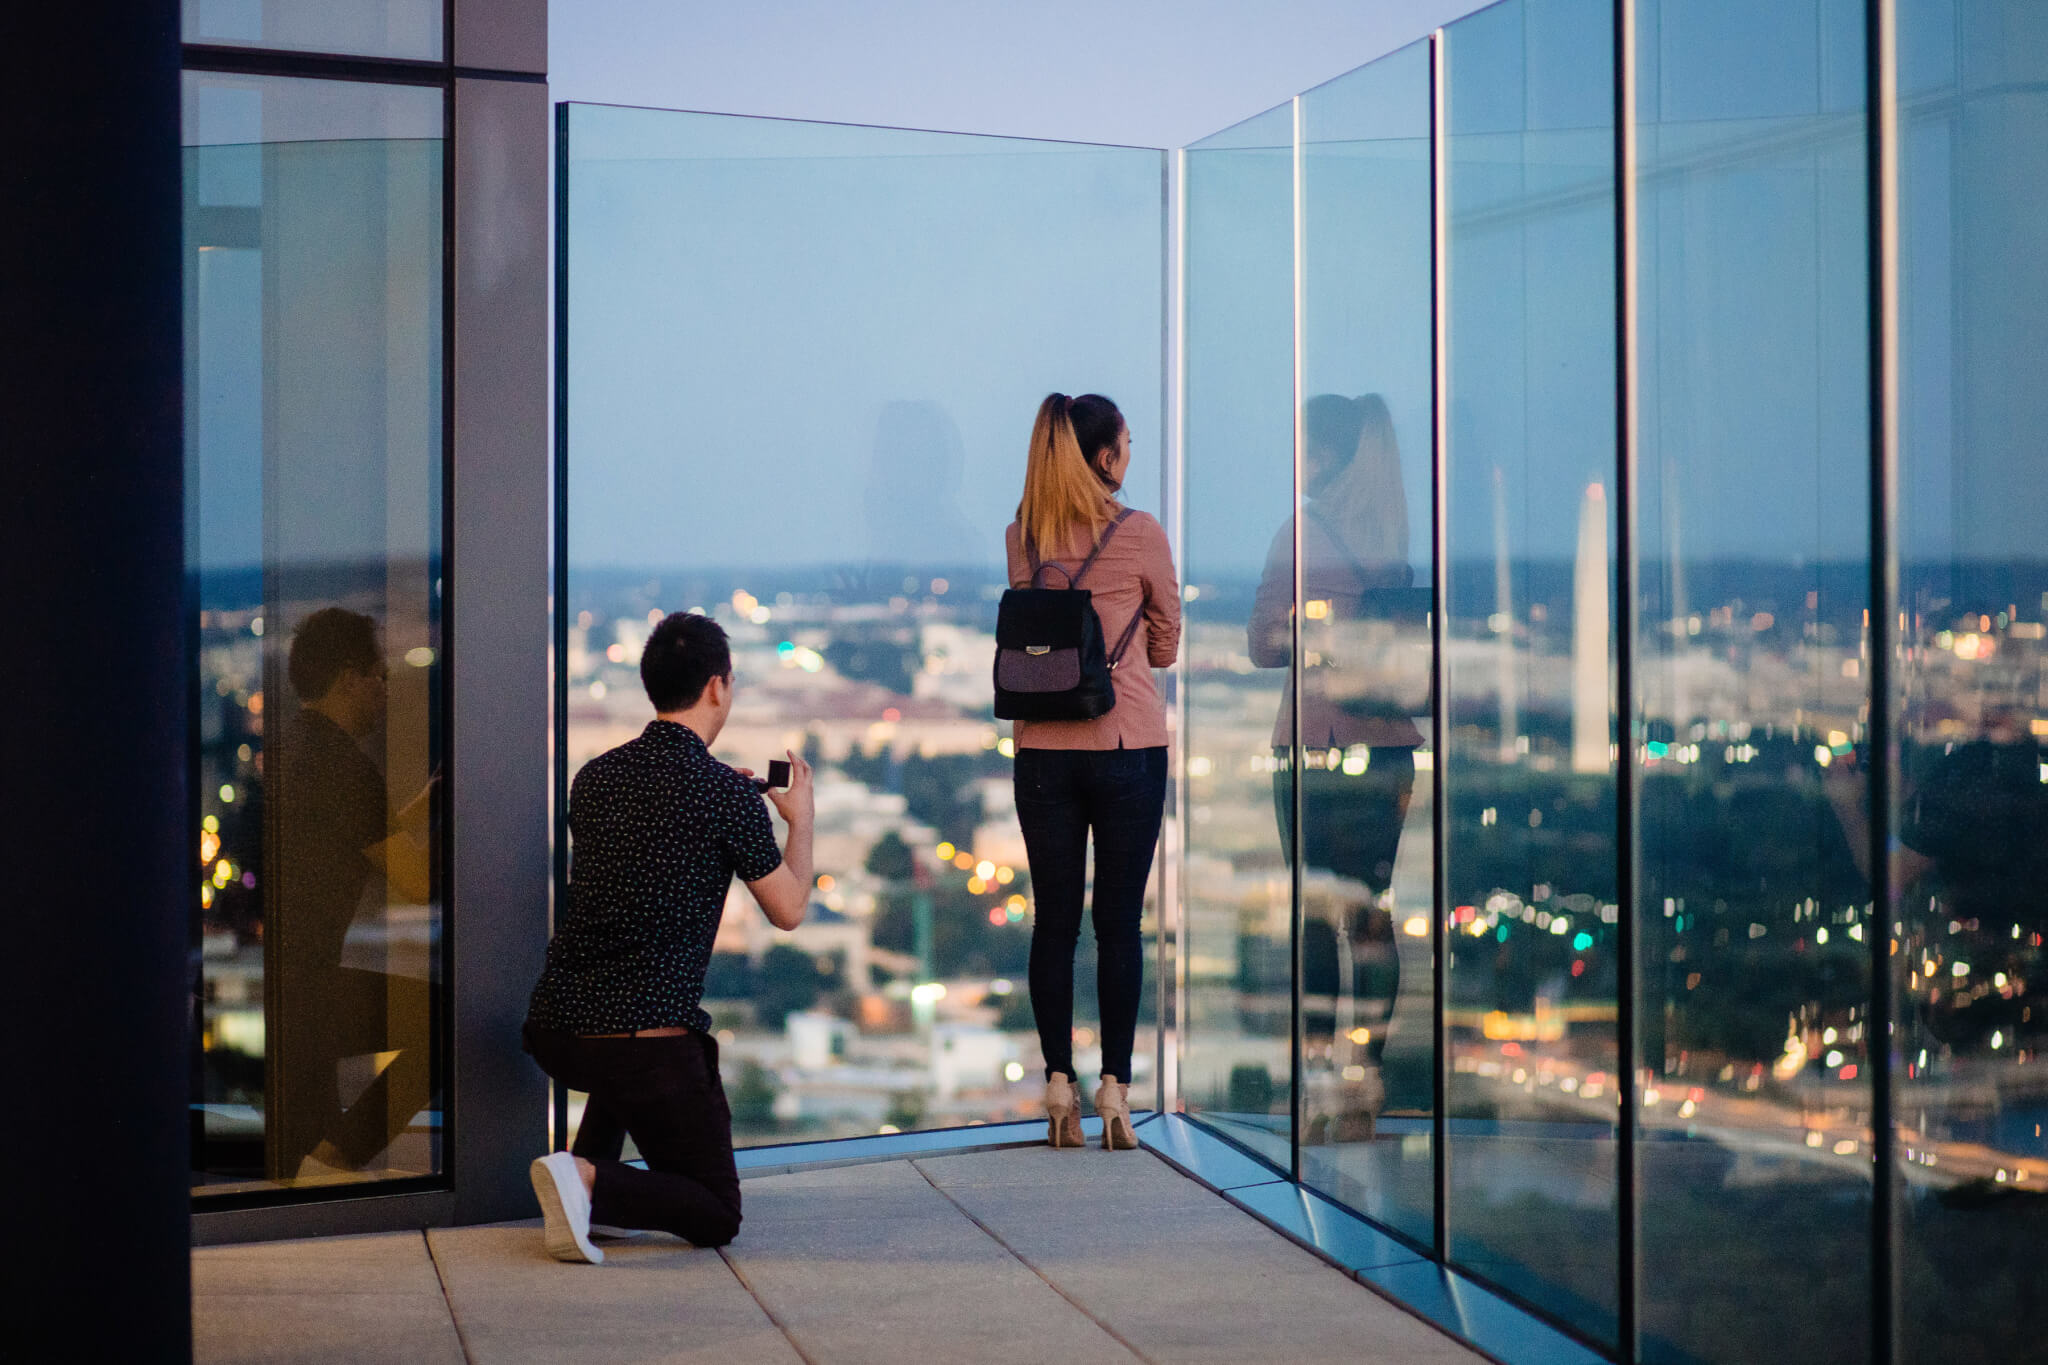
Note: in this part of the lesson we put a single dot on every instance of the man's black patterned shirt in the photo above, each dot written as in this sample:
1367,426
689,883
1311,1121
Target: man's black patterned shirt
659,829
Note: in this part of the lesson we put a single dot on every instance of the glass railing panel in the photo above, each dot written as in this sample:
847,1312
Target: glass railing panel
1970,701
1751,688
313,416
1529,785
1367,1039
412,29
803,362
1237,1056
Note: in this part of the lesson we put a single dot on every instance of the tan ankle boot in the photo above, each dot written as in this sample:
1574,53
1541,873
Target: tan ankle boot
1062,1119
1112,1102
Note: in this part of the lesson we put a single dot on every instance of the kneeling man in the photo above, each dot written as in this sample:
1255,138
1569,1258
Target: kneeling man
660,829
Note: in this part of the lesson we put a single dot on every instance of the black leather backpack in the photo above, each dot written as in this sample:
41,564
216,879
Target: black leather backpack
1050,660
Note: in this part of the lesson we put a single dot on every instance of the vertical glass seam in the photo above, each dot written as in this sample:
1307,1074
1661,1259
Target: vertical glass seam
1294,925
1881,131
1163,1084
1439,285
560,682
1178,509
441,1015
1628,1061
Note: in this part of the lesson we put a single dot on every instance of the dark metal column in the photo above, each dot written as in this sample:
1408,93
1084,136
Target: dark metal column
92,525
498,608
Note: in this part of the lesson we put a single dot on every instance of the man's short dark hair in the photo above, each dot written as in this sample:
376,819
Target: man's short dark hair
330,642
683,655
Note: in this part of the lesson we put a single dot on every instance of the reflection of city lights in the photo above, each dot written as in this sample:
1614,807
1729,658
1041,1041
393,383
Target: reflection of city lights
1415,926
945,852
996,916
1002,985
420,656
825,881
1833,1059
1006,875
926,992
616,653
984,869
975,886
1361,1036
597,690
209,845
1013,1071
1316,609
963,861
227,793
1199,766
211,824
1007,747
1814,1139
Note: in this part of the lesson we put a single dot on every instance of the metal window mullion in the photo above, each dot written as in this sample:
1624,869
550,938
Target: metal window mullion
1439,281
560,757
1294,925
1173,841
1881,124
1627,392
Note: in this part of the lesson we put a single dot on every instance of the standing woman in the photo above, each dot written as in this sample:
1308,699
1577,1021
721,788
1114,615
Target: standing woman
1107,775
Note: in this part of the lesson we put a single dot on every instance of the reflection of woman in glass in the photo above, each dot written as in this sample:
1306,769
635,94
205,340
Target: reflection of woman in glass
1357,738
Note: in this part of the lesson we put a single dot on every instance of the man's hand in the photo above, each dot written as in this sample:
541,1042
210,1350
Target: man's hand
785,893
799,800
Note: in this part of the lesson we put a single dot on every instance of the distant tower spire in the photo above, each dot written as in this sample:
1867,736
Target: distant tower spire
1590,632
1503,624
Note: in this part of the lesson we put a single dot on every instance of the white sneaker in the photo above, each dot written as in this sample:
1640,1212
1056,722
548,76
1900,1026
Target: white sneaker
565,1208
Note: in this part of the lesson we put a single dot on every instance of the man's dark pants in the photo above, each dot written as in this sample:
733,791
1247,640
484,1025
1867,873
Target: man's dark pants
666,1093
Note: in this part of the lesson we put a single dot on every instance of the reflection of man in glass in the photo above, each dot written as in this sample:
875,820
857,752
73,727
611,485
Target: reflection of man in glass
334,837
1358,740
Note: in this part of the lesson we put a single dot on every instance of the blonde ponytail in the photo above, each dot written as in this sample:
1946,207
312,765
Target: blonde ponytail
1061,489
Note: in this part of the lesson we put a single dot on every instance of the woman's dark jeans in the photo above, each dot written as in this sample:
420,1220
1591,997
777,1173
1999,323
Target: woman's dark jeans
1063,795
1351,825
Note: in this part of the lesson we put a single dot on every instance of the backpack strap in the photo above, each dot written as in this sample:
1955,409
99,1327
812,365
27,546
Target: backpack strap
1073,578
1124,643
1107,532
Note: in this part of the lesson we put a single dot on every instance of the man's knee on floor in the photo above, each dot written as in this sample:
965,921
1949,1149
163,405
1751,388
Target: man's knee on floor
720,1231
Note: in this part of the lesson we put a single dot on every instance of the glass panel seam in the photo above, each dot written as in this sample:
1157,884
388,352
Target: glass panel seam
1298,842
1439,283
1628,1060
1882,187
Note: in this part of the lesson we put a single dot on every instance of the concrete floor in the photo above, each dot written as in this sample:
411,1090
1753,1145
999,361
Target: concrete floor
1024,1254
